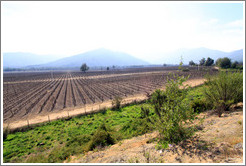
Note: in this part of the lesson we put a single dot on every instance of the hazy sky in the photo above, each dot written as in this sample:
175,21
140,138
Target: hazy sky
139,28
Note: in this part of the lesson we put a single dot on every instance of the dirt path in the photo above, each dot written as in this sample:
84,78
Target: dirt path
69,112
219,140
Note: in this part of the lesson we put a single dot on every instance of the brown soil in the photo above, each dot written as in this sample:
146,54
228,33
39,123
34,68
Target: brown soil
70,112
219,140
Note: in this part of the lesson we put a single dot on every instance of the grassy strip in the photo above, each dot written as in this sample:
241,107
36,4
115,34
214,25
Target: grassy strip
57,134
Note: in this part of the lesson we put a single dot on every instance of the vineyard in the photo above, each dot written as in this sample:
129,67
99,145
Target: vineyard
32,93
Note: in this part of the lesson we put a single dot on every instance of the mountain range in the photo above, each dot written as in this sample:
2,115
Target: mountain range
196,55
105,57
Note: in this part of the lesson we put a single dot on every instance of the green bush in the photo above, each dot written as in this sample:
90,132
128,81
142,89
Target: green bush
199,105
223,90
102,137
172,111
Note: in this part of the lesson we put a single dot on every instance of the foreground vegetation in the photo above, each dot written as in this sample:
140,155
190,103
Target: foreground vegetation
176,107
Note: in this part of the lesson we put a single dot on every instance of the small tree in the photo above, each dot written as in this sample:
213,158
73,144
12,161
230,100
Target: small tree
107,68
234,64
209,62
191,63
224,90
172,111
202,61
84,67
223,63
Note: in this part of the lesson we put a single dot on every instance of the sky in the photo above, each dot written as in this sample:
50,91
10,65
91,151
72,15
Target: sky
143,29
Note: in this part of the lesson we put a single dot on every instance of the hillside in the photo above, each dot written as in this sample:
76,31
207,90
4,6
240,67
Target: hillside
197,54
99,57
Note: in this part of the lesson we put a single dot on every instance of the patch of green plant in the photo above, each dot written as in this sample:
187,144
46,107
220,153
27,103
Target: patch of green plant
73,135
172,111
224,89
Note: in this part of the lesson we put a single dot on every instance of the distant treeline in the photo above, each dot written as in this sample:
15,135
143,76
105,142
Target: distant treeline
10,69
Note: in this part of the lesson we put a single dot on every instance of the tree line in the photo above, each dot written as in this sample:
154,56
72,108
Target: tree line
223,63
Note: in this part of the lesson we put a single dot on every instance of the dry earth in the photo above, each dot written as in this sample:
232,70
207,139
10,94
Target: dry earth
218,140
40,118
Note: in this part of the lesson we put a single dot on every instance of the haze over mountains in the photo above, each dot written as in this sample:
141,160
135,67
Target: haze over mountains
23,59
196,55
105,57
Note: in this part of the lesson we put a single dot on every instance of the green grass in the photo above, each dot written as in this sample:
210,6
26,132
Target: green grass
124,123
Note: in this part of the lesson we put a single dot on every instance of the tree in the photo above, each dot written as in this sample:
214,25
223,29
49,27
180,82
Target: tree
107,68
224,63
234,64
202,61
84,67
209,62
191,63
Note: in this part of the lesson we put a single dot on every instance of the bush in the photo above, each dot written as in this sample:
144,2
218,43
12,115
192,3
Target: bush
199,105
116,103
172,112
224,90
102,137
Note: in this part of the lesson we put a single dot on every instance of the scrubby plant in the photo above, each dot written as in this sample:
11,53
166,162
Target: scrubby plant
199,105
172,111
116,102
102,137
224,90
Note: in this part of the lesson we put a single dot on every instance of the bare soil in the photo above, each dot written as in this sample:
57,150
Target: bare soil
219,140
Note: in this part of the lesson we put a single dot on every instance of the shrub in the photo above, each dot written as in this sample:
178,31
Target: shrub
199,105
102,137
116,103
224,90
172,112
